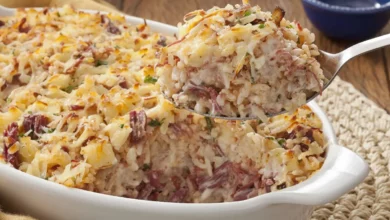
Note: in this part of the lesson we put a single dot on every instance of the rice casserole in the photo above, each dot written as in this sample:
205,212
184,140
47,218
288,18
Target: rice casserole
80,106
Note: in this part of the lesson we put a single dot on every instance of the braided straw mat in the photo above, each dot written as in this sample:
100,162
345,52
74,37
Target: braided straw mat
364,128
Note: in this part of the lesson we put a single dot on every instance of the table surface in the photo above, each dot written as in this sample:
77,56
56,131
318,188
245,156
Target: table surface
369,73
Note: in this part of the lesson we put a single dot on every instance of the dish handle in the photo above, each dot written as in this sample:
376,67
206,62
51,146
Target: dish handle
338,176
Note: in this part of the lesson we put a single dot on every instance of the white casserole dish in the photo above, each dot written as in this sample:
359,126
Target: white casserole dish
341,172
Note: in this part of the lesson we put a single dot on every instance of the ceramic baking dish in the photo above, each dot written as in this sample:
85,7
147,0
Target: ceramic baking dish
341,172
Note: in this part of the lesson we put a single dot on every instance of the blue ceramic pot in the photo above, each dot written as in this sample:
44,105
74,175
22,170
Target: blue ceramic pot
348,19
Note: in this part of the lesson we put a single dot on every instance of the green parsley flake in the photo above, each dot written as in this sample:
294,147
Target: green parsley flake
259,121
155,123
117,47
209,123
261,26
252,80
9,100
21,135
29,112
281,141
289,26
149,79
68,89
51,130
145,167
247,13
100,63
122,125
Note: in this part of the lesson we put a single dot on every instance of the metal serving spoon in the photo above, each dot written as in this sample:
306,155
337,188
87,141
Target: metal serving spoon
331,65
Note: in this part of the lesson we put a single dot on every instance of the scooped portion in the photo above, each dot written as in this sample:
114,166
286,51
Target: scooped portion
239,61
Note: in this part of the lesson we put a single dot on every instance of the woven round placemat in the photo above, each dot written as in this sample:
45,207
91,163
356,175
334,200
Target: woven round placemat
363,127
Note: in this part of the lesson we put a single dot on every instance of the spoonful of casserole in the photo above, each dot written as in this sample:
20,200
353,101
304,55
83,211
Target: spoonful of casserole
240,63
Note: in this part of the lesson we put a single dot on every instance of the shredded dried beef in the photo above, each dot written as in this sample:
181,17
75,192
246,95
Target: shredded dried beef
35,123
11,137
138,126
109,25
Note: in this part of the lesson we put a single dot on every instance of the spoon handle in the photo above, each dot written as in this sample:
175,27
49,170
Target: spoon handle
364,47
